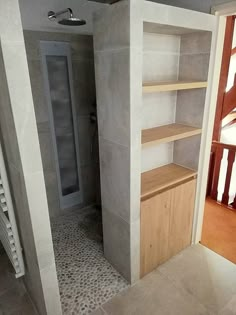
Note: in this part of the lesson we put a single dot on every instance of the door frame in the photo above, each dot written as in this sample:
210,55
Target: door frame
221,12
57,48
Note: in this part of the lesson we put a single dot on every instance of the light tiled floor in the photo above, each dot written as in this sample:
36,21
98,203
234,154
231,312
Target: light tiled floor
14,300
195,282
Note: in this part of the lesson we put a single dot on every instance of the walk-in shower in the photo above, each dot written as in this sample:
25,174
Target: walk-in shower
70,20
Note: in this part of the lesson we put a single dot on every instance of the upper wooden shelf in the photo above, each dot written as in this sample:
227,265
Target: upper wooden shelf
164,177
150,87
168,133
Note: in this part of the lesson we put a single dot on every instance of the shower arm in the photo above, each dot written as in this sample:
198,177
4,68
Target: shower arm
53,15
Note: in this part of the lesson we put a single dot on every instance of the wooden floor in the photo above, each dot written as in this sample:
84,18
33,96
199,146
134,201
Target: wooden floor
219,230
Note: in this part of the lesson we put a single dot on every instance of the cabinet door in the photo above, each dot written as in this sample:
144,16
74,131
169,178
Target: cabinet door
166,225
155,214
181,217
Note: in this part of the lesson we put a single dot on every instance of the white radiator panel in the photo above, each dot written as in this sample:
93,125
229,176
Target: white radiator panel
8,228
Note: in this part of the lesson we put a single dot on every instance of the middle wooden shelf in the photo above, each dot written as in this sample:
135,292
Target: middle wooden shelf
150,87
168,133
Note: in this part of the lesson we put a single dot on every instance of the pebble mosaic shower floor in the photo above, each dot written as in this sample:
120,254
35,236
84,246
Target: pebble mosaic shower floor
86,279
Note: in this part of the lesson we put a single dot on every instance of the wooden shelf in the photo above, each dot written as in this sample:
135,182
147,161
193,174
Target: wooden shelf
168,133
161,178
150,87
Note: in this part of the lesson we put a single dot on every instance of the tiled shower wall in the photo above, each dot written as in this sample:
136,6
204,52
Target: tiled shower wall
85,99
22,156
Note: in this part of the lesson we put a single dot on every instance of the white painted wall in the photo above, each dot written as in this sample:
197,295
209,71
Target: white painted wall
34,14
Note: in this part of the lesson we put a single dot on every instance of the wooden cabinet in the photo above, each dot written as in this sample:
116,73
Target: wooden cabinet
166,225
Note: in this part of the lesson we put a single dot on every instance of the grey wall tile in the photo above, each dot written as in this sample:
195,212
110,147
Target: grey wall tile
190,107
194,67
116,36
37,85
113,95
161,43
186,152
47,151
160,67
115,178
82,45
158,109
52,192
195,43
8,131
84,86
116,234
22,104
156,156
86,142
89,184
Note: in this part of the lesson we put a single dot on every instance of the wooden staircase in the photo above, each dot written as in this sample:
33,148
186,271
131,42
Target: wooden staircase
225,116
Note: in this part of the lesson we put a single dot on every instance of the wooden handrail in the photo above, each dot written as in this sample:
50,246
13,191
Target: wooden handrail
224,145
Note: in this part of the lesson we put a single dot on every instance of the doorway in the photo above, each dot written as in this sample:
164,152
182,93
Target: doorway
219,218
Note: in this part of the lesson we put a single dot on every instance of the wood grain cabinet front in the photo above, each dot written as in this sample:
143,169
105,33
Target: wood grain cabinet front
166,225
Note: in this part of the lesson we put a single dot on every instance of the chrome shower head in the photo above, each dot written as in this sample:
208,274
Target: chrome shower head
70,21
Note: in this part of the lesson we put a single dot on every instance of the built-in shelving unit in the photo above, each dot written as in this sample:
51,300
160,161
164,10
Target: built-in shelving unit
150,87
168,133
157,90
164,177
174,82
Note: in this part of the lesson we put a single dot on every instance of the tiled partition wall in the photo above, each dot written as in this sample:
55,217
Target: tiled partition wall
114,96
85,98
21,144
124,57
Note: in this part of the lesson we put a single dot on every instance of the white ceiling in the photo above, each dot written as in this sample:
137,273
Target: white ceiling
34,14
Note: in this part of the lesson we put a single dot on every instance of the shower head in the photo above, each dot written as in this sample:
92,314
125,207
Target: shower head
70,21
